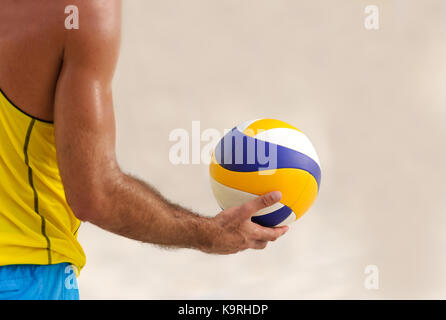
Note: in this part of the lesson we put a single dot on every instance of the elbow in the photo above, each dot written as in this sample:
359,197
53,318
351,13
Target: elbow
88,205
93,202
85,210
92,197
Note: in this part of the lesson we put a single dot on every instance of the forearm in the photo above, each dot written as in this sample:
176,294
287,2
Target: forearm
135,210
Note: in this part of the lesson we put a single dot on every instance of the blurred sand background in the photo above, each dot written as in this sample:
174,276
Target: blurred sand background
372,102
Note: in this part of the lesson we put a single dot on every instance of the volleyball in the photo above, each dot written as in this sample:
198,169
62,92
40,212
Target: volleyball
260,156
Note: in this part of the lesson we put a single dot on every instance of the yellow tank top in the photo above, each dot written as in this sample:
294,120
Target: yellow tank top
37,226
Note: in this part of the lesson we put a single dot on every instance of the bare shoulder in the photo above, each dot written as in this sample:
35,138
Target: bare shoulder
92,30
92,22
95,16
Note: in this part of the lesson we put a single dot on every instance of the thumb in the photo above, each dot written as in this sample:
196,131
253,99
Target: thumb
251,207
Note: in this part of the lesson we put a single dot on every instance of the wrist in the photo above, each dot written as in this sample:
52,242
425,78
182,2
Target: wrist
207,235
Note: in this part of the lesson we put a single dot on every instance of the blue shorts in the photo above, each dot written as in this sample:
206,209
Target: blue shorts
38,282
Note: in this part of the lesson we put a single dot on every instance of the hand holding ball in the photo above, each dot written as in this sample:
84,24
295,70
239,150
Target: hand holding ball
261,156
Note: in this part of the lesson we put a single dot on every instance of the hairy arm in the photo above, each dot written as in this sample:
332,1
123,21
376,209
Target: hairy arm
96,188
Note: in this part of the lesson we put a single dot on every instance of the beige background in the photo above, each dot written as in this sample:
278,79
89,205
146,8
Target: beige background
372,102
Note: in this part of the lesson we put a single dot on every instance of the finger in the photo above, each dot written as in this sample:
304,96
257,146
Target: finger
280,231
259,245
261,202
269,234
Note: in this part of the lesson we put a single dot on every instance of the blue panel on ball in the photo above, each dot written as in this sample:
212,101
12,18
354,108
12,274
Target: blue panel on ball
274,218
247,154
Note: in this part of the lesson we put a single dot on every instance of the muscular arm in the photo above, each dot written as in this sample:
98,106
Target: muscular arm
96,189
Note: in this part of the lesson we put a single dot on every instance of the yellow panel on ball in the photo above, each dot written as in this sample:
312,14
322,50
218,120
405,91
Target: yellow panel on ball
266,124
306,199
